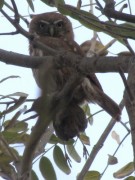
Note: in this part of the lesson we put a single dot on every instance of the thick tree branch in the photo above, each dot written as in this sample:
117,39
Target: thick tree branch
17,59
44,140
110,12
38,131
130,104
84,64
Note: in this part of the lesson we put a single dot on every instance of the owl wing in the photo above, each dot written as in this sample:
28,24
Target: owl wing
93,79
60,45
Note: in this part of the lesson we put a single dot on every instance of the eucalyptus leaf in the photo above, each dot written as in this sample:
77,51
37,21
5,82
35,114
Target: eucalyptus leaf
47,169
84,138
30,3
1,3
34,176
73,153
92,175
14,137
118,31
60,160
125,171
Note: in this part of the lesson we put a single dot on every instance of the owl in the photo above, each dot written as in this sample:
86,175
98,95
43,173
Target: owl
55,31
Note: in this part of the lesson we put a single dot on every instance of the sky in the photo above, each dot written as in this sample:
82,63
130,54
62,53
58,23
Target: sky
111,83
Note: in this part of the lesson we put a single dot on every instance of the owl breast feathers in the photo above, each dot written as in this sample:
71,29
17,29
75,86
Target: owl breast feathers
55,31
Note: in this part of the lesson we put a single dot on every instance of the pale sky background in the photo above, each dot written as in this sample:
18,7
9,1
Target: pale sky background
111,83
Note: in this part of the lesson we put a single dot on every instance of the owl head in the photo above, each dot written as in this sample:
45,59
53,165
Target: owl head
51,25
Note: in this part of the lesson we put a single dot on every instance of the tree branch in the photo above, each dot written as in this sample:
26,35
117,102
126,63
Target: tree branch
110,12
10,8
130,104
17,59
98,146
17,17
26,34
84,64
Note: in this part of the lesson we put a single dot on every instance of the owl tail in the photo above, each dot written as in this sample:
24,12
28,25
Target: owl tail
109,106
94,94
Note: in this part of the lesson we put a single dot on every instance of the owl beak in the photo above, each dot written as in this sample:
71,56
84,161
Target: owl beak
51,31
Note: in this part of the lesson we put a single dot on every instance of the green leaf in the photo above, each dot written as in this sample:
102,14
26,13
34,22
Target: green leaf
130,178
85,139
86,109
18,103
55,140
49,2
1,3
17,127
8,170
73,153
9,77
30,3
62,2
20,94
125,171
60,160
13,137
118,31
5,158
34,176
92,175
47,169
81,16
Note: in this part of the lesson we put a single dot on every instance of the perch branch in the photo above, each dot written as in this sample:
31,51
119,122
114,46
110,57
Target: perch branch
84,64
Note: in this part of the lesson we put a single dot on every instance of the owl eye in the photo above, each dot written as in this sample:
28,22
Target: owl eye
41,25
60,24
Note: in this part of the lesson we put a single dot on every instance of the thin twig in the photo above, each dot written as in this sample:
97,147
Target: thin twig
17,17
128,46
29,118
126,85
10,33
115,152
12,102
16,25
95,113
98,146
129,6
29,36
9,7
124,124
100,7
